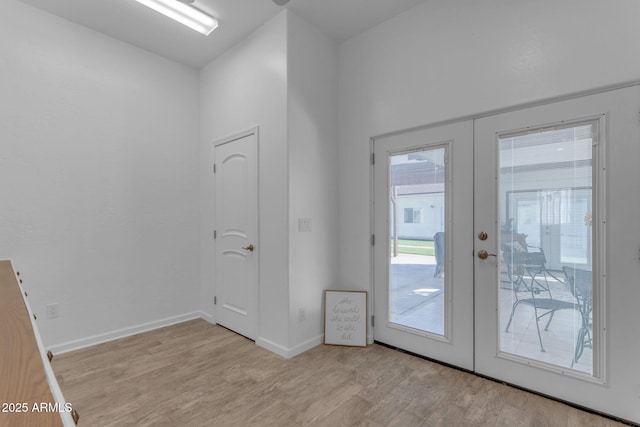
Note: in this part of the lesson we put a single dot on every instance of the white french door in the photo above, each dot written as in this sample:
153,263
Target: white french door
554,315
539,212
423,295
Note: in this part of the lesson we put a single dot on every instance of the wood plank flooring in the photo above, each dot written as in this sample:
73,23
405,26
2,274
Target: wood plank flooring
198,374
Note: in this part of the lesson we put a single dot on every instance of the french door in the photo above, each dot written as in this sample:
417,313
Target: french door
556,192
423,296
539,212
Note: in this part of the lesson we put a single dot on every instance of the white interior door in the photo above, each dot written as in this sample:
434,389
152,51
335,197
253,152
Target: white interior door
423,281
556,192
236,219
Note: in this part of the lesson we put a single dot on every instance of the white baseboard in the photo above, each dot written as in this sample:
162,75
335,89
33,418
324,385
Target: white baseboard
285,352
208,317
272,347
288,353
125,332
307,345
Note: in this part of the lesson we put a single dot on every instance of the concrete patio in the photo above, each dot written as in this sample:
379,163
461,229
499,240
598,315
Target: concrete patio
417,301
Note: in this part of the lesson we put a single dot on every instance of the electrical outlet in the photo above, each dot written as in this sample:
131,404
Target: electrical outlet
304,225
53,310
301,315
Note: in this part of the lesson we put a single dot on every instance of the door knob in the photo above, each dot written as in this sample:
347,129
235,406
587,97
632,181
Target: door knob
482,254
249,248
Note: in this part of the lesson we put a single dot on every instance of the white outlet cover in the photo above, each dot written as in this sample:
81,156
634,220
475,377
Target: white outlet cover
53,310
304,225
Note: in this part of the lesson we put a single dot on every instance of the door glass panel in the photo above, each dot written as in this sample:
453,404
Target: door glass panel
546,214
417,203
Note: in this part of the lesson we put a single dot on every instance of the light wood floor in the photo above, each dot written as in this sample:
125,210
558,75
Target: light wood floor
198,374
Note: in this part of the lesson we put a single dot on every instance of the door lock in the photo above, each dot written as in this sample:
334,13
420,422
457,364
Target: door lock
483,235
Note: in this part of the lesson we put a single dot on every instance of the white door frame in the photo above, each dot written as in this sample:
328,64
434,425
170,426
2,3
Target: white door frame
256,240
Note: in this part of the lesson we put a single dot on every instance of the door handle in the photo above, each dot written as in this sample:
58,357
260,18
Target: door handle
249,248
482,254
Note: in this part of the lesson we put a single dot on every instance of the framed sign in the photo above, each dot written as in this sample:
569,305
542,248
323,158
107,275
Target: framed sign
345,318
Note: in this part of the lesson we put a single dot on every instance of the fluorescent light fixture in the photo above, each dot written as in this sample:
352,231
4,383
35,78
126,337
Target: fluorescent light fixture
184,14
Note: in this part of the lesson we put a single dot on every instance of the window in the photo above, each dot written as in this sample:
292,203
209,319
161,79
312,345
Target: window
412,215
546,179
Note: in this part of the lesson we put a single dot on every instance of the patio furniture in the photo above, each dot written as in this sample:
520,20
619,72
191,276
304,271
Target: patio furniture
438,246
531,287
512,242
581,284
516,243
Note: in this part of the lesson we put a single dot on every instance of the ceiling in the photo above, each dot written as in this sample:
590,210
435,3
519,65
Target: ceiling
133,23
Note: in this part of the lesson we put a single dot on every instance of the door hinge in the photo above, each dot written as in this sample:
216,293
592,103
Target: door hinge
373,321
215,300
215,234
373,158
214,168
373,240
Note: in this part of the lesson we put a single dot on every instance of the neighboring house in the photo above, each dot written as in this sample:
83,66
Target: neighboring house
421,215
418,186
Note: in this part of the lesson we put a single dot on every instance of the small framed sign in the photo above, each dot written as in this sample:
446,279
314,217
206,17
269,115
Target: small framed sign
345,318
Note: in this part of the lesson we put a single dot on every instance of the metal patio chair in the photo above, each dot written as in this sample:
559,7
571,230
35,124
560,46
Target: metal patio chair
530,284
581,284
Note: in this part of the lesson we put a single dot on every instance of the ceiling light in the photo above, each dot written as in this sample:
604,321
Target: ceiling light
184,14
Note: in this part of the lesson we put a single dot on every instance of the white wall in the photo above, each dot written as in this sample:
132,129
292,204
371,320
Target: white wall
98,140
283,79
244,88
443,59
313,177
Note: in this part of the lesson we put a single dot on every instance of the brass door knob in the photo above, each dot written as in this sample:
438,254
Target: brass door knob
482,254
249,248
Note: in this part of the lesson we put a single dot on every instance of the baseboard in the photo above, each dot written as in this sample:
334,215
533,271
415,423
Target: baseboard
288,353
208,317
307,345
125,332
285,352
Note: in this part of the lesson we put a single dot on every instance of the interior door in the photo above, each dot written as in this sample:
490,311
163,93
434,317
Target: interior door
423,281
236,233
563,321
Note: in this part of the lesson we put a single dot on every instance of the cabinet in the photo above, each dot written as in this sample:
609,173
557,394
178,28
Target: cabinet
27,385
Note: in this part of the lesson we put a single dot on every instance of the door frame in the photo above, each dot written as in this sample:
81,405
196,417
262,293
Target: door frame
255,130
